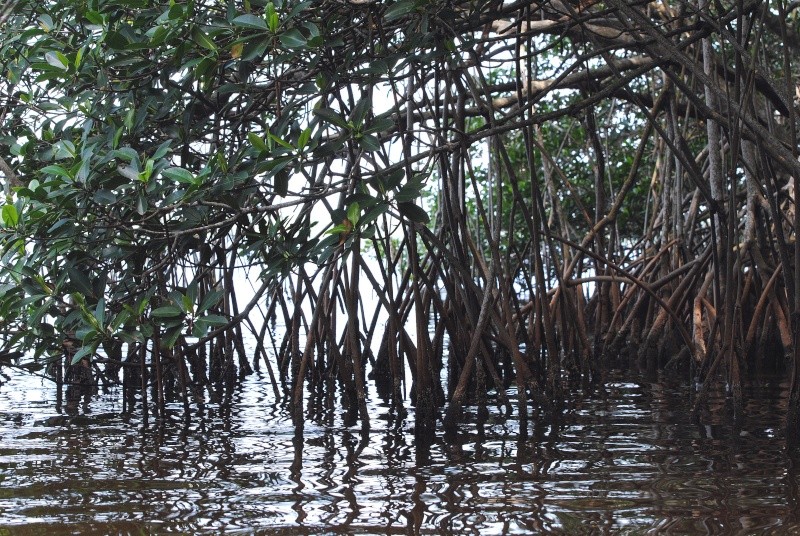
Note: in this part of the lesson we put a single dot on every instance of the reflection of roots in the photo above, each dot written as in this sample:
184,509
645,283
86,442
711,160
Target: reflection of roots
79,385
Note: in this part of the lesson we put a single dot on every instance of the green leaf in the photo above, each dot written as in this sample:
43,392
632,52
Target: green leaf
338,229
104,197
360,111
380,124
80,281
120,320
171,336
398,9
94,17
36,317
331,117
10,216
191,290
133,337
325,248
378,66
127,154
257,142
203,40
394,179
176,12
58,225
413,212
293,39
56,170
283,143
168,311
186,304
79,57
272,17
302,141
254,49
215,320
129,172
45,22
148,170
160,35
374,213
210,300
146,330
354,213
100,312
162,150
299,7
57,59
141,204
180,175
369,142
87,334
202,325
117,41
199,329
250,21
408,192
83,352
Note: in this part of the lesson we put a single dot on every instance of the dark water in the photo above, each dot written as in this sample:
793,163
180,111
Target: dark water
625,459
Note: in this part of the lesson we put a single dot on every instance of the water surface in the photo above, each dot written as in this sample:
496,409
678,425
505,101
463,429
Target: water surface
626,458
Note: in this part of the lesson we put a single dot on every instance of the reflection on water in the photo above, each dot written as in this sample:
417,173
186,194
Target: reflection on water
626,458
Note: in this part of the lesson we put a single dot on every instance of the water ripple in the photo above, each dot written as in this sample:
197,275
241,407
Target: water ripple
627,459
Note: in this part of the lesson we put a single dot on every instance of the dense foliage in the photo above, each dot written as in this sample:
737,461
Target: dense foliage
554,184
